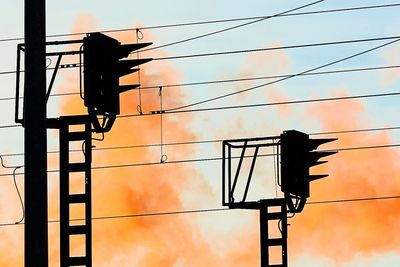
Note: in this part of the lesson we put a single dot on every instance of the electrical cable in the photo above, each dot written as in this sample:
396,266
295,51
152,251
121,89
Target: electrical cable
16,186
10,126
163,157
276,167
210,141
129,165
19,196
250,50
283,79
230,52
181,212
233,27
326,11
139,36
177,111
239,79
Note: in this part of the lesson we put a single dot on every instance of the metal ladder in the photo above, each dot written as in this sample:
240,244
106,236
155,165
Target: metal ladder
278,215
75,170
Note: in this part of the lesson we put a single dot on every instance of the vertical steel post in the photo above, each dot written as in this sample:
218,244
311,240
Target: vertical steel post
36,228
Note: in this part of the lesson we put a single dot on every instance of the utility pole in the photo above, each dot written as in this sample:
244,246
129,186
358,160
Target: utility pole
36,228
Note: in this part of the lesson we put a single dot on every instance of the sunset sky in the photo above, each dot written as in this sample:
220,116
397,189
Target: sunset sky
345,234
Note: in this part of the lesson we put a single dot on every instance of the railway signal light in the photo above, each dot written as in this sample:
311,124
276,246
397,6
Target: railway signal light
298,155
104,64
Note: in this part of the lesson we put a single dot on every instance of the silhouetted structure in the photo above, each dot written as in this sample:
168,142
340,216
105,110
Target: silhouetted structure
297,155
35,182
102,69
75,129
104,65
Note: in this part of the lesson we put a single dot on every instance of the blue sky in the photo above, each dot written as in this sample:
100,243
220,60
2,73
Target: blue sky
62,17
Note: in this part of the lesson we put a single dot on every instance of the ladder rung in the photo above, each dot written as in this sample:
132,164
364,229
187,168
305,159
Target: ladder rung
77,261
75,120
275,242
276,215
77,167
78,198
76,136
77,230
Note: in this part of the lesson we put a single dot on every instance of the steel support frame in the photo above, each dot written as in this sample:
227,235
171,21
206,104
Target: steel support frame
228,181
67,198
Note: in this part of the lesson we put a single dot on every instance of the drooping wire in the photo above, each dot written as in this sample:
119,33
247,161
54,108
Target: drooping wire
49,64
80,72
163,157
278,164
16,187
19,195
102,133
139,36
275,169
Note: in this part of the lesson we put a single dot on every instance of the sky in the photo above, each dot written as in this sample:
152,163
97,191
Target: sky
344,234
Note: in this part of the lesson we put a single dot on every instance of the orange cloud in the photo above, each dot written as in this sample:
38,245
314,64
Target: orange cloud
147,241
340,231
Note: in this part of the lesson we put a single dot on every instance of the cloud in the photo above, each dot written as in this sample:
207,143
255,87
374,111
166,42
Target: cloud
340,231
174,240
391,57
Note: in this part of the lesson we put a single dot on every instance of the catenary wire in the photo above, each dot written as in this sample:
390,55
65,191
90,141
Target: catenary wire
233,27
279,48
251,105
208,141
177,111
128,165
254,50
283,79
326,11
181,212
198,36
239,79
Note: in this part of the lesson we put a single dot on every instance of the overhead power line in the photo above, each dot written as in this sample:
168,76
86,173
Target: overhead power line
279,48
9,126
129,165
164,26
182,212
216,32
208,141
232,28
303,101
244,79
254,50
283,79
177,111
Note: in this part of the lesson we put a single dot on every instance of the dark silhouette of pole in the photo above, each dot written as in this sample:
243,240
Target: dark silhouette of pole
36,229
